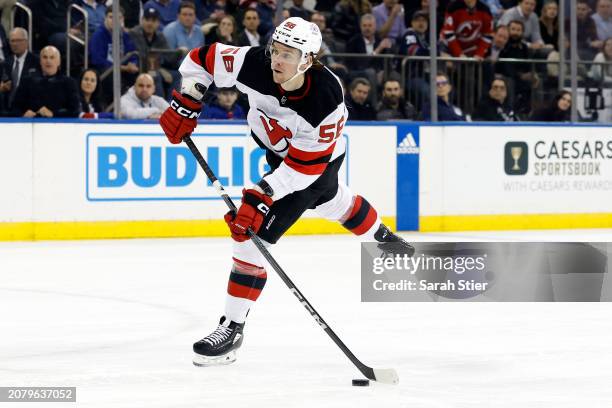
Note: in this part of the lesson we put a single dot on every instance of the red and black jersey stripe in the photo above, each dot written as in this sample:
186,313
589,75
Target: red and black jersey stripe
311,163
246,280
205,57
362,217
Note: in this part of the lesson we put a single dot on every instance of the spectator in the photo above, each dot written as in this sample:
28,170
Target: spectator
6,7
600,72
346,18
414,42
326,6
500,39
96,11
328,45
423,5
524,13
90,103
225,106
523,78
588,42
49,23
496,8
368,43
184,34
298,10
356,101
549,24
446,110
393,106
250,36
603,19
167,9
19,65
558,110
495,107
4,45
163,67
468,29
48,95
389,19
266,10
133,11
214,11
224,33
101,55
140,102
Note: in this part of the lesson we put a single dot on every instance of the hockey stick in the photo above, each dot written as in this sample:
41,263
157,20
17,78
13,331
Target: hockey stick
387,376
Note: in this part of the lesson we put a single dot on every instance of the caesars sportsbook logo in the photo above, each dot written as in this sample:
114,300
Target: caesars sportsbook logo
558,157
516,158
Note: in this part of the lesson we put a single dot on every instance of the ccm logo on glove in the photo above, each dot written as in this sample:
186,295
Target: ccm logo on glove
183,111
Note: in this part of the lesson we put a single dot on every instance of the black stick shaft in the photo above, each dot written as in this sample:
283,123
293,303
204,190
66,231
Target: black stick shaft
365,370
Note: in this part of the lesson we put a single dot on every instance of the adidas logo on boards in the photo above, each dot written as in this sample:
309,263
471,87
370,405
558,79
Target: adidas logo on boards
408,145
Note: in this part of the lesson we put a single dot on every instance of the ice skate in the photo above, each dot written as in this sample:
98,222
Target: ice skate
392,244
219,347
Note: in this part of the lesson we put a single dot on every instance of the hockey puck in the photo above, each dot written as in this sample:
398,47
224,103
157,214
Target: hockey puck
358,382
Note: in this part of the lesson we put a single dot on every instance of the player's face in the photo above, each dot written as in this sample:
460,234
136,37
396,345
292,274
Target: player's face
498,90
360,93
285,61
144,88
89,83
419,25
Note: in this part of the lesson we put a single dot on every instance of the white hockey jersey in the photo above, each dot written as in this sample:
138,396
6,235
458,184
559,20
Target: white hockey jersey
304,127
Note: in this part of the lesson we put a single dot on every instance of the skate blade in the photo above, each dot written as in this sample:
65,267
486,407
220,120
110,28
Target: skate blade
208,361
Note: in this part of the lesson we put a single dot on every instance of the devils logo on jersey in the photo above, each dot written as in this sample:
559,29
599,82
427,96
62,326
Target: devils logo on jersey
276,133
468,30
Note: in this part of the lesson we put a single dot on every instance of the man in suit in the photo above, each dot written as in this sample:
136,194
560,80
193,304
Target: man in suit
50,95
250,36
17,66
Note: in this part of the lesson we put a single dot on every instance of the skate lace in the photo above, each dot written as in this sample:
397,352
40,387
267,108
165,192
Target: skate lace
219,335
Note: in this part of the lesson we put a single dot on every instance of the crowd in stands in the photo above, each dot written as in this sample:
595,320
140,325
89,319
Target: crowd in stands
475,39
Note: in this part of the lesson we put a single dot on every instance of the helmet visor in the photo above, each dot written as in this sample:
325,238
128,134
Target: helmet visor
283,53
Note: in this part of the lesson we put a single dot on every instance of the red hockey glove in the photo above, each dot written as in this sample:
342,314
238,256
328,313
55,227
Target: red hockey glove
251,213
180,118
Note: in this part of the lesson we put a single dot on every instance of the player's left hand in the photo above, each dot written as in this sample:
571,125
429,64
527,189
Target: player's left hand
255,206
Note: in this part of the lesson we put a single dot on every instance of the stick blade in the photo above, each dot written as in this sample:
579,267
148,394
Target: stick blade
386,376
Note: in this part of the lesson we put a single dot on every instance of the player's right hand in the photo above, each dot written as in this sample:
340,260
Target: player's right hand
181,118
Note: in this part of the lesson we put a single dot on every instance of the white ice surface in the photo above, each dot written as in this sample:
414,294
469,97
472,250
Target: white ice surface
117,320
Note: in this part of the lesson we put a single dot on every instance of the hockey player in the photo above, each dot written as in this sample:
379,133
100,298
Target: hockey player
296,114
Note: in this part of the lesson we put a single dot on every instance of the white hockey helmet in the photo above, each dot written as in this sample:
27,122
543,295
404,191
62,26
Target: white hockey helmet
298,33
